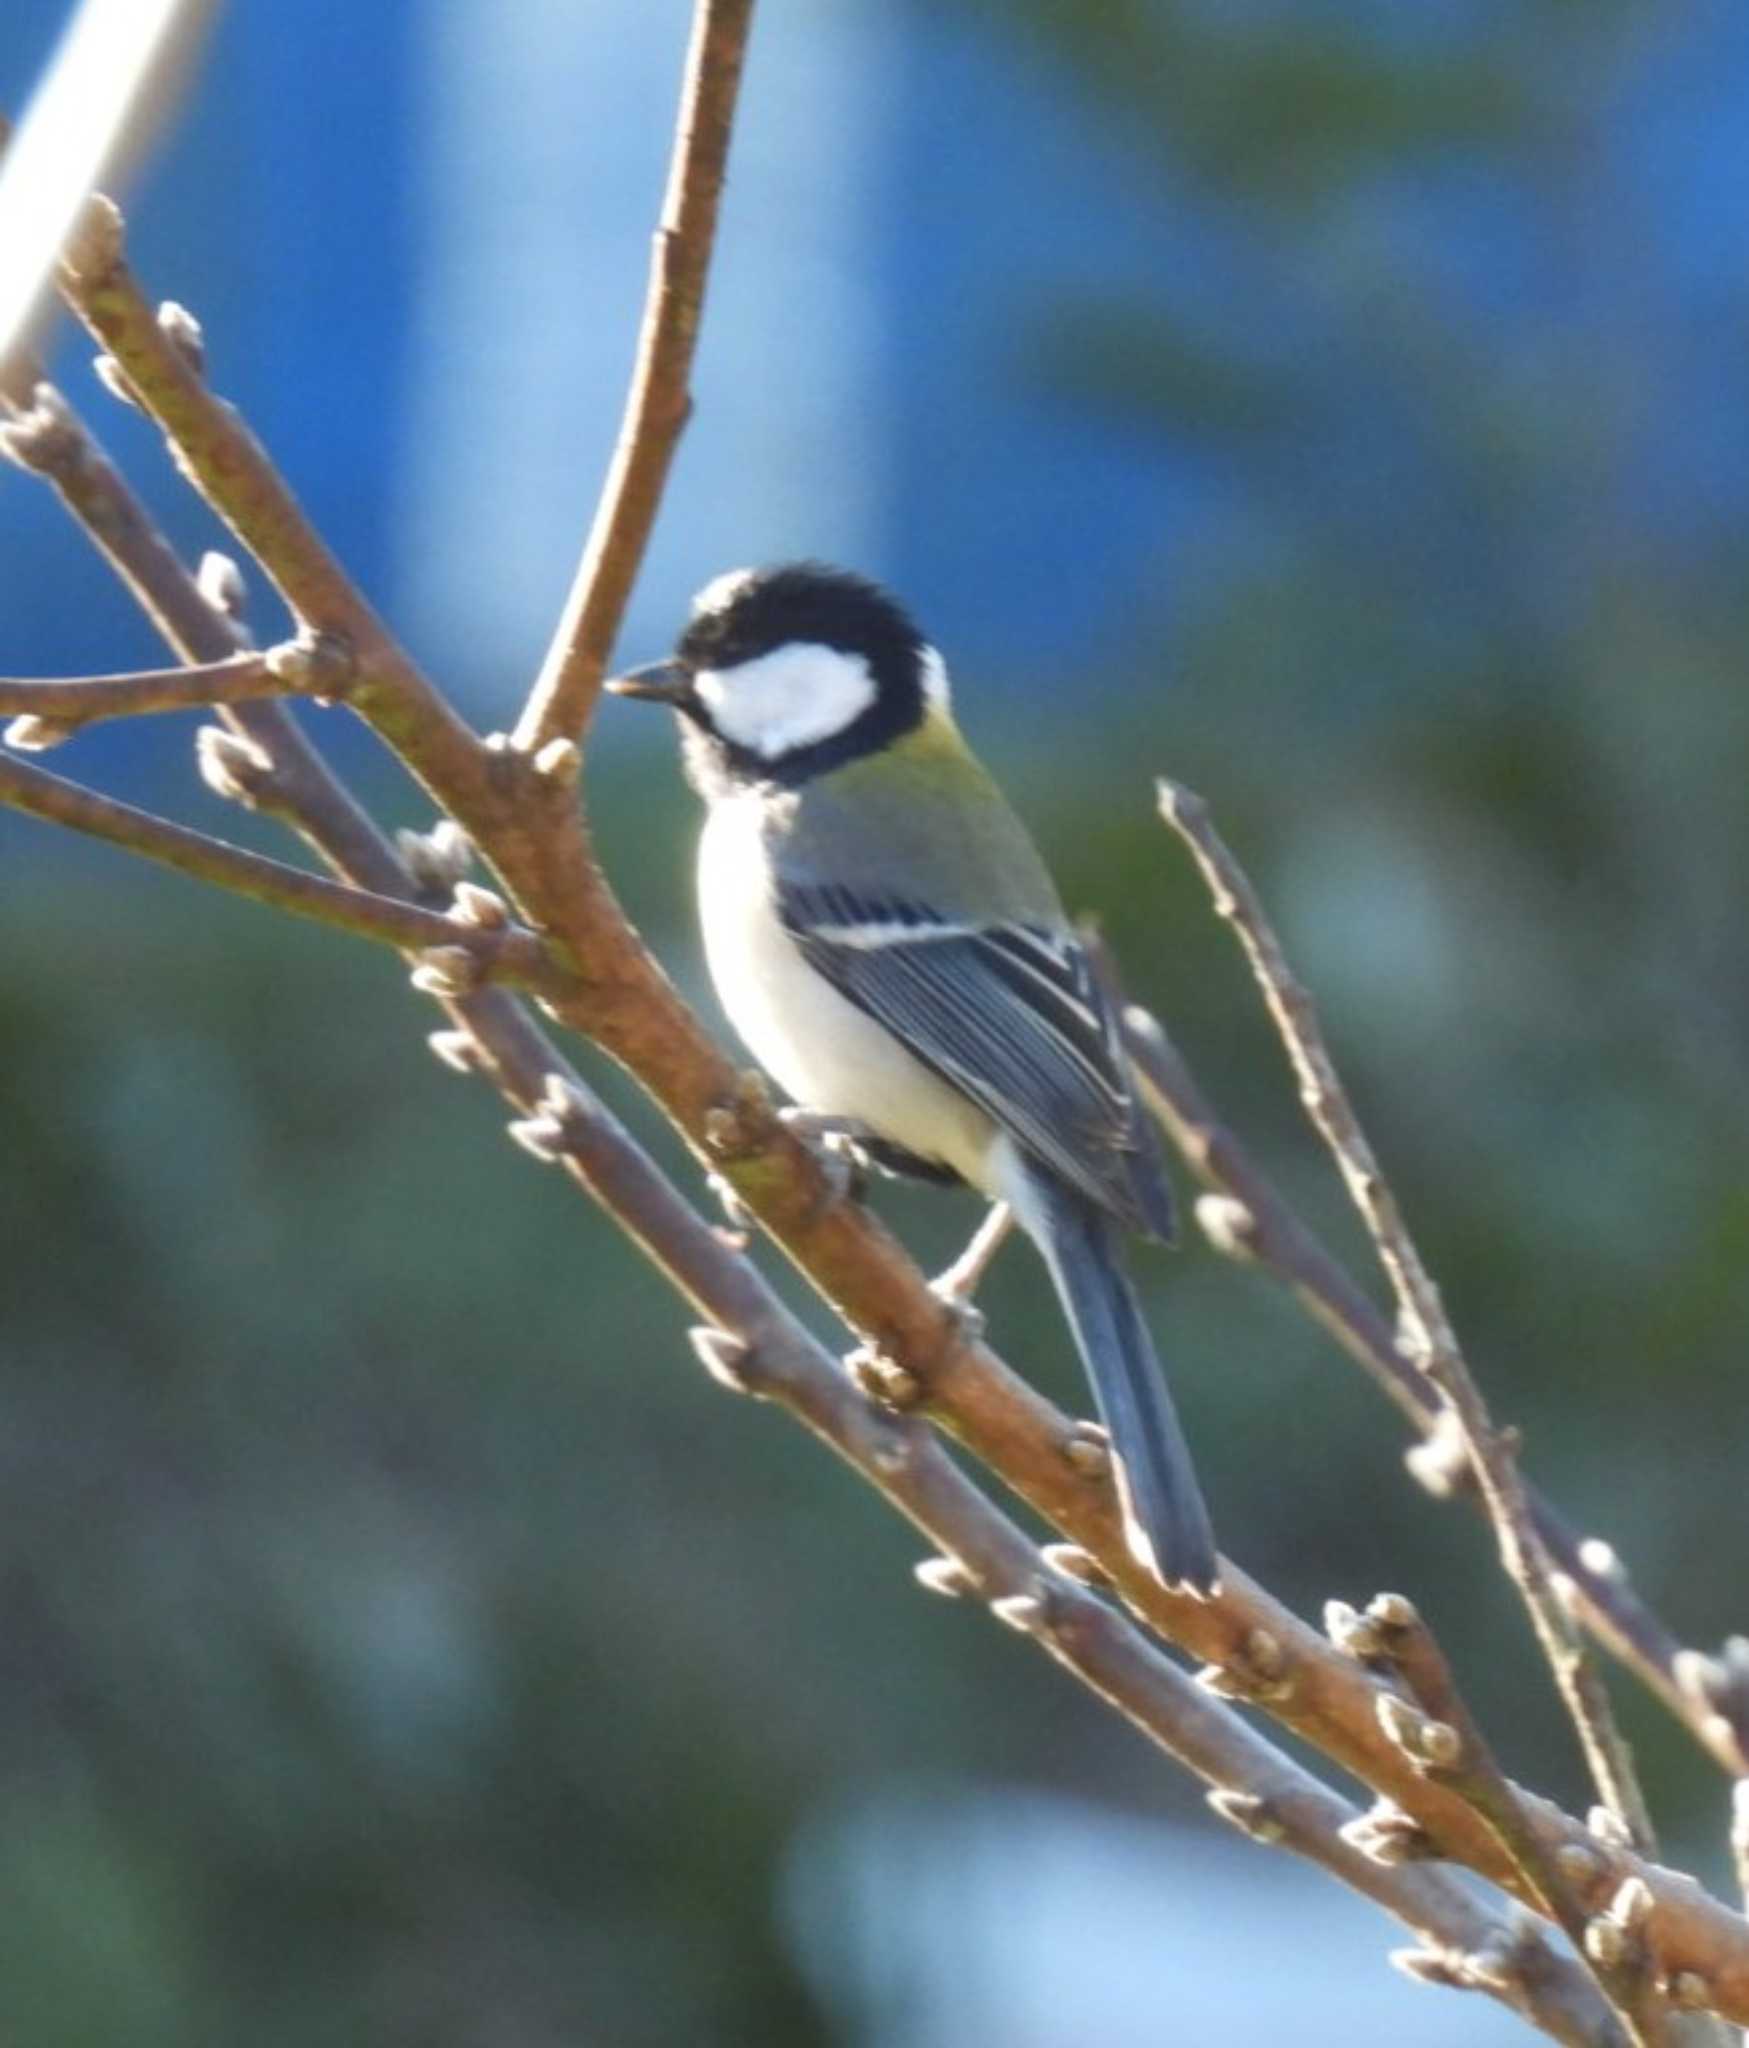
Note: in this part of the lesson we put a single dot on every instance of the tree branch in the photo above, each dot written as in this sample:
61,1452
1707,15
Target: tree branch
508,954
1249,1221
756,1346
1431,1340
48,438
1444,1740
222,459
660,399
66,705
1468,1941
622,1000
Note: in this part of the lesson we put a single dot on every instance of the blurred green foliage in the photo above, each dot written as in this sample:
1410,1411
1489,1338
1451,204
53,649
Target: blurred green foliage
403,1642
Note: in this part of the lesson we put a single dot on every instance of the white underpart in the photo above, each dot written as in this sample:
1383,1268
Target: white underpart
721,591
795,696
823,1051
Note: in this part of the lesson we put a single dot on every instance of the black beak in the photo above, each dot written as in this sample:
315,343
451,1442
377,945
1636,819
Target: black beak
658,682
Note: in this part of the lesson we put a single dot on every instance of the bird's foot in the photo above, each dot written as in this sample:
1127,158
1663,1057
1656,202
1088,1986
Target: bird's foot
836,1143
968,1319
955,1287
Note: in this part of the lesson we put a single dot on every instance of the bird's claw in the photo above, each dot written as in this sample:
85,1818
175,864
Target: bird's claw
836,1143
968,1320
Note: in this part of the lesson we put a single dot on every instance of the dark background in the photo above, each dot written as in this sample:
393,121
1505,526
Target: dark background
399,1640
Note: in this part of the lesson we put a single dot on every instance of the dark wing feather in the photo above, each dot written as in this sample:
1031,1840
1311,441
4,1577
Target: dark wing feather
1011,1015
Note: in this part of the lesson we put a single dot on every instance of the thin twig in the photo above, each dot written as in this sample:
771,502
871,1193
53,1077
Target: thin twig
1445,1740
660,397
1248,1220
46,436
222,459
627,1006
74,702
507,954
1428,1333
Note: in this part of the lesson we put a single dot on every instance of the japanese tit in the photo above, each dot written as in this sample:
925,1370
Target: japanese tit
885,938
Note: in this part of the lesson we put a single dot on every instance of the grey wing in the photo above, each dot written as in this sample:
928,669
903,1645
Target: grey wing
1011,1015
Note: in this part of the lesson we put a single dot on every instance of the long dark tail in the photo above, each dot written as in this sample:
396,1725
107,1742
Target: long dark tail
1166,1520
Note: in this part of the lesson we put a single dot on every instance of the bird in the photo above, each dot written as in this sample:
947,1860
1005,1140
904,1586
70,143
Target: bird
886,940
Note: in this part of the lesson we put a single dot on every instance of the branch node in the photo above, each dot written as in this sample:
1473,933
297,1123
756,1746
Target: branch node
1355,1634
1441,1460
1395,1613
944,1575
883,1380
1257,1669
448,972
1428,1744
458,1050
1430,1966
183,332
1496,1965
541,1137
436,860
1088,1449
45,437
1600,1559
1250,1813
1689,1991
1229,1226
1632,1904
1606,1942
559,763
1387,1835
1077,1564
1608,1827
94,248
234,767
319,665
29,734
482,910
732,1129
114,379
221,583
1581,1866
727,1358
1029,1612
891,1451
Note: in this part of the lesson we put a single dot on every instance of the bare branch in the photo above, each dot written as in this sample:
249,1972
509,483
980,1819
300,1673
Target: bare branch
1442,1737
622,1000
755,1345
660,398
112,83
508,955
222,459
317,668
1249,1221
1432,1341
1258,1788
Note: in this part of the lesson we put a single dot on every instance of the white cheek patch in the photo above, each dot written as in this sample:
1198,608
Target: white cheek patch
935,685
795,696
